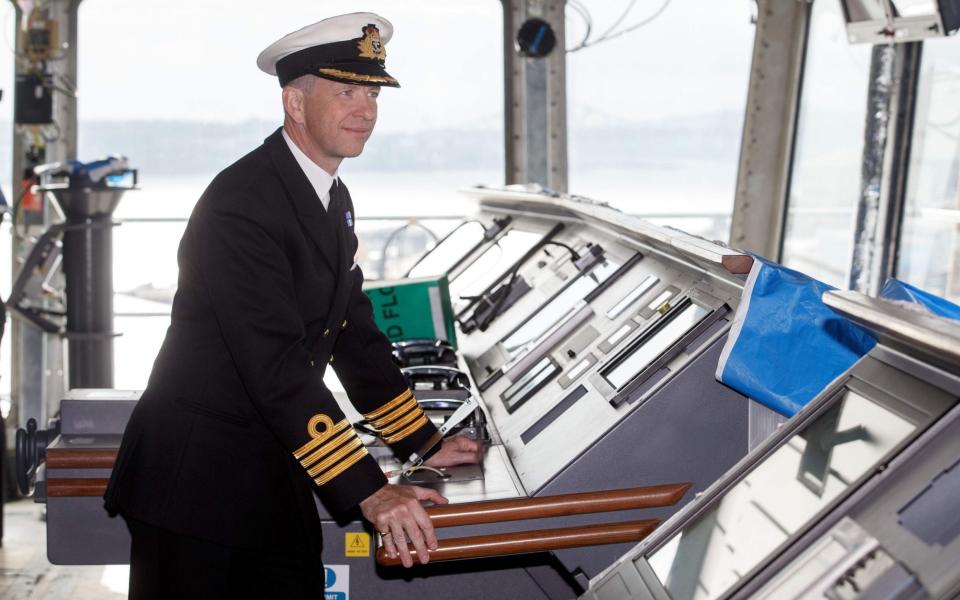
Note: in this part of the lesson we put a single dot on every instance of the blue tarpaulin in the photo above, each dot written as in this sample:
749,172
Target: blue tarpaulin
898,291
785,344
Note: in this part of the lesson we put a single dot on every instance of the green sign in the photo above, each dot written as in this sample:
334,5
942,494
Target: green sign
407,309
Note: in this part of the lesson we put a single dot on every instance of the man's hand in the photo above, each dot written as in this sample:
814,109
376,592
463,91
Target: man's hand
457,450
396,512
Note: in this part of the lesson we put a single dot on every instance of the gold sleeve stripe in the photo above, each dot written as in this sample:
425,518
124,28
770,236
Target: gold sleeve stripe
328,448
340,468
333,458
393,427
388,406
393,414
320,437
407,430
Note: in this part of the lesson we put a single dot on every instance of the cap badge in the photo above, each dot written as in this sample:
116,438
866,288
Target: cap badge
370,45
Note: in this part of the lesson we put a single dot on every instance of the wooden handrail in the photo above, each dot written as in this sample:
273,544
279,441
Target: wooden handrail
516,509
81,459
521,542
60,488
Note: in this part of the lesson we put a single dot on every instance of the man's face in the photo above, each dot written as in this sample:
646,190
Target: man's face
339,117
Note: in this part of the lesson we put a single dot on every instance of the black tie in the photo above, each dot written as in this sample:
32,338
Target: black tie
335,202
335,214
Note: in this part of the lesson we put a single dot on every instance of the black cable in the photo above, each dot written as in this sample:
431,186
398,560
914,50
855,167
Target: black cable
587,21
363,426
636,26
574,256
495,311
610,35
618,21
508,287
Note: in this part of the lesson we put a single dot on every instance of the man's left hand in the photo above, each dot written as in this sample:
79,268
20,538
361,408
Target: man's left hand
457,450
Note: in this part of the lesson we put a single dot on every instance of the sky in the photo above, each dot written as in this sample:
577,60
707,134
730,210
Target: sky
194,59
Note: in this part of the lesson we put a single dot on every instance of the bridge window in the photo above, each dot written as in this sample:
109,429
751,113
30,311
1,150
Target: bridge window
929,254
825,183
655,115
175,87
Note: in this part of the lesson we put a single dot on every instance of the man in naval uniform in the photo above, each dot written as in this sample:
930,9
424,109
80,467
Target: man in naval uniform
236,430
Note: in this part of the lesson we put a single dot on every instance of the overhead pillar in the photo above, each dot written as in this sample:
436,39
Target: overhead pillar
535,92
766,150
45,126
888,133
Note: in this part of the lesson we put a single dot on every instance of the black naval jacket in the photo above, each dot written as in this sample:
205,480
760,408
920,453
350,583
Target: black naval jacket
236,429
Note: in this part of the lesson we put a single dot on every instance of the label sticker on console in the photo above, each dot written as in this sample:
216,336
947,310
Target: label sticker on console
336,582
356,544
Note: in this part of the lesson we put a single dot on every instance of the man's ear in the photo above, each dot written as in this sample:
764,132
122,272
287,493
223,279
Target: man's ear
293,103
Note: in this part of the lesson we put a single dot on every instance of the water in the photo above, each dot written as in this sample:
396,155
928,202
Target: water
145,252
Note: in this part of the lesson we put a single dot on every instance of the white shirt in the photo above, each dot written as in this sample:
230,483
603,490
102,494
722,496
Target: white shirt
319,179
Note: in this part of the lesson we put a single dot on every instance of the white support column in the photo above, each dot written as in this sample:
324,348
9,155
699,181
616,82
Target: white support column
766,150
535,98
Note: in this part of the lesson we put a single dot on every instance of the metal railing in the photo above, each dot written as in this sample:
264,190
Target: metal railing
390,244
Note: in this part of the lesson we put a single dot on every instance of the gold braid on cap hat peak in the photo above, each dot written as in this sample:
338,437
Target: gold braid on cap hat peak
357,76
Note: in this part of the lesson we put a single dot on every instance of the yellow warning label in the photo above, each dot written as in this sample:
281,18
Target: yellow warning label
357,544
